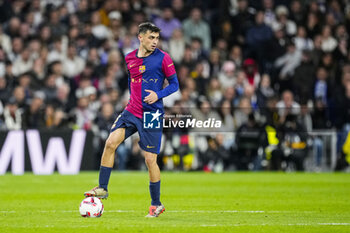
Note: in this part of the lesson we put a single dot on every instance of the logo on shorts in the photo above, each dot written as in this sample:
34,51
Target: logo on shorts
152,120
142,69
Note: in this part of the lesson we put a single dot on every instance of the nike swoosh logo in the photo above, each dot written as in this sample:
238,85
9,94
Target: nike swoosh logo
171,64
131,65
150,146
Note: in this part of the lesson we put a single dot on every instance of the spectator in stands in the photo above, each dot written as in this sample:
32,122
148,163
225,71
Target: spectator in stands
312,25
167,23
72,64
288,25
23,63
227,76
12,116
50,87
287,65
249,92
302,42
216,155
317,52
204,112
38,71
1,111
197,51
17,47
49,116
60,120
242,112
57,28
180,11
214,92
303,79
321,87
84,116
2,63
20,96
287,106
251,71
248,140
151,10
5,91
239,87
341,52
24,81
13,27
222,46
195,26
342,122
230,95
242,21
342,99
329,43
226,114
98,29
177,46
214,63
297,12
201,79
136,159
116,27
236,56
269,13
82,11
335,11
58,52
256,38
104,121
294,143
327,62
5,41
264,91
33,116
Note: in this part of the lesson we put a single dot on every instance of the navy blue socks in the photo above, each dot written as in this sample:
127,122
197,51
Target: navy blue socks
154,189
105,173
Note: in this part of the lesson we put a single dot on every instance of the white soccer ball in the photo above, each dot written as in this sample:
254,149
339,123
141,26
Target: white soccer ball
91,207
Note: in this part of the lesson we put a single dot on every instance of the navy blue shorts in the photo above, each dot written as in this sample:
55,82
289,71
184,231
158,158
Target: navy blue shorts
150,140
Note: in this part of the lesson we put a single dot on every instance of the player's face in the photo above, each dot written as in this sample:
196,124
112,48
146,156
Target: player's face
149,40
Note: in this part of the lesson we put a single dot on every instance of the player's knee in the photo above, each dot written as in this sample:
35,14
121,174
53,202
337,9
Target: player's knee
150,160
111,144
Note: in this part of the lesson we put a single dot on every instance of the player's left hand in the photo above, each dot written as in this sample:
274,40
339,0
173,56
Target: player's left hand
151,98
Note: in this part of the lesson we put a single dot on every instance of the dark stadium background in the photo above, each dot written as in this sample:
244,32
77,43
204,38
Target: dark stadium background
276,73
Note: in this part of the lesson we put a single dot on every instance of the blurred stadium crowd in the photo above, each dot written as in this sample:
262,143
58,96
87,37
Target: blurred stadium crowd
279,66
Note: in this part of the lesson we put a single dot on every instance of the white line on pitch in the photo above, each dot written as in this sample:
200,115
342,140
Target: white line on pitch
289,224
210,225
176,211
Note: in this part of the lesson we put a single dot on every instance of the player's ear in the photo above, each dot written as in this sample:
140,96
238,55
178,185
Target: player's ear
140,36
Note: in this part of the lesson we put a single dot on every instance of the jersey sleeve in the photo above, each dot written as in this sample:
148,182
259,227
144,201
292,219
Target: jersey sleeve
168,67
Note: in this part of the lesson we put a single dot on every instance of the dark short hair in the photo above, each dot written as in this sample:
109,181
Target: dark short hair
147,26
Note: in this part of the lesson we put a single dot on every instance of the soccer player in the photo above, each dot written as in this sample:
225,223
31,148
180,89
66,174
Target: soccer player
148,67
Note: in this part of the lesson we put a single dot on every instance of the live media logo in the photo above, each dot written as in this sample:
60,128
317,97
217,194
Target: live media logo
154,120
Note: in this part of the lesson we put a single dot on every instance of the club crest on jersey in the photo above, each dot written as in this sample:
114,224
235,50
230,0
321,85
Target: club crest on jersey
142,69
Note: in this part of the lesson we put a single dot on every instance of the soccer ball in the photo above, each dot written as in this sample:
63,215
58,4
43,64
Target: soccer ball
91,207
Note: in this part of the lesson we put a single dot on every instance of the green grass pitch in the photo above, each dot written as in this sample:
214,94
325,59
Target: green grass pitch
194,202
